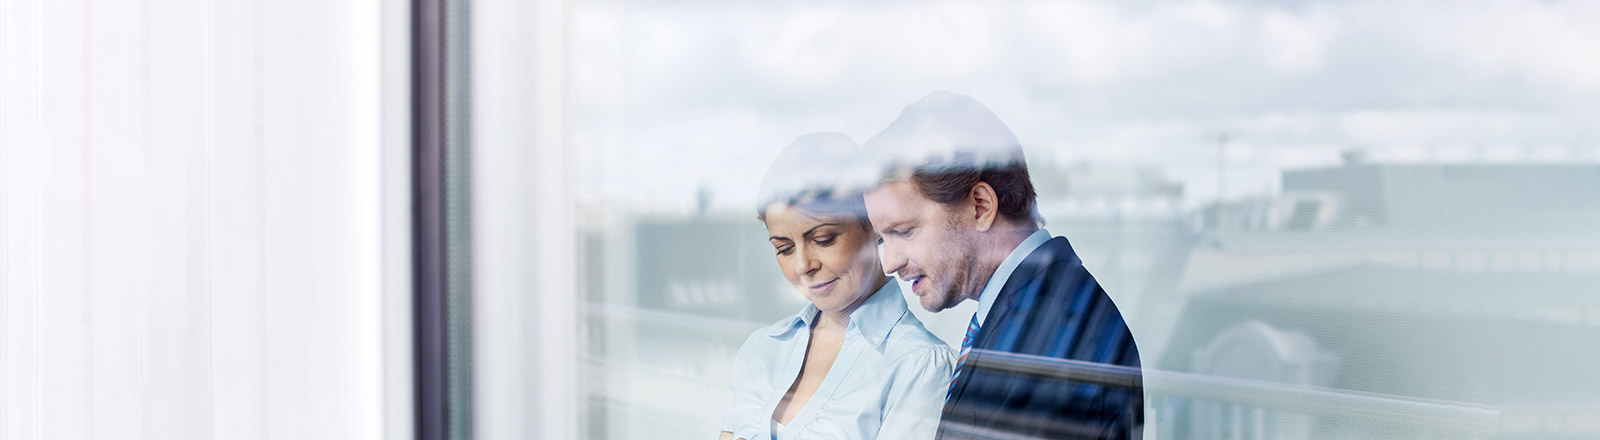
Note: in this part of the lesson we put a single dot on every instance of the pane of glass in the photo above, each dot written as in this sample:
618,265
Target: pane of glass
1320,220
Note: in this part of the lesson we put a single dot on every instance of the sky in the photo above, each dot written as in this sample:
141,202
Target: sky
671,99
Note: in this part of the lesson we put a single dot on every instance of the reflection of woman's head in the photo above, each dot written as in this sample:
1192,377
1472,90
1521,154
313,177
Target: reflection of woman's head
818,227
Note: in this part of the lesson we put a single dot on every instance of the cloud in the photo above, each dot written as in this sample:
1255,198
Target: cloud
686,95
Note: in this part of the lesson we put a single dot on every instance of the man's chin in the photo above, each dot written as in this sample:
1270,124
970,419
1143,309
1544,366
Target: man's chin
931,304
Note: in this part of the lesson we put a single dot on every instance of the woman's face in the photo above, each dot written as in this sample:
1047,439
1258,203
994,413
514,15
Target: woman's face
831,260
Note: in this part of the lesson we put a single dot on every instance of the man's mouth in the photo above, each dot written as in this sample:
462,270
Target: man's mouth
916,284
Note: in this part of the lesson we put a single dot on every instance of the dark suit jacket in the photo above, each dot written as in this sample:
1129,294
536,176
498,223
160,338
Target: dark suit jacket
1050,306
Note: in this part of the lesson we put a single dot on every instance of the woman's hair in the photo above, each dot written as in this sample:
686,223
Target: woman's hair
818,174
831,203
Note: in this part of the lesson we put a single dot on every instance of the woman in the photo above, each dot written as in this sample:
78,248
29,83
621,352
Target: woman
854,363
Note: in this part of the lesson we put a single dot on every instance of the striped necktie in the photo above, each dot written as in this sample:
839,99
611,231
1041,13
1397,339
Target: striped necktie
966,347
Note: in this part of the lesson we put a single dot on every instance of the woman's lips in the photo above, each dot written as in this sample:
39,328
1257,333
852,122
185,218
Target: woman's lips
819,288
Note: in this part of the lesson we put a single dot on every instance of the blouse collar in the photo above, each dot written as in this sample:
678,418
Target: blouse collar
873,320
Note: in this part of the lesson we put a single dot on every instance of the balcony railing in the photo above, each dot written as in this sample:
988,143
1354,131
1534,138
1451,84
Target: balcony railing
1459,420
1454,417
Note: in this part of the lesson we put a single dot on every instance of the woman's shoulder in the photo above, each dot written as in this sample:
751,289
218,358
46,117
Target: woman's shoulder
917,353
910,339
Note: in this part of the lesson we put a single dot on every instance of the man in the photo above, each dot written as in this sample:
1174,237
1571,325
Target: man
958,220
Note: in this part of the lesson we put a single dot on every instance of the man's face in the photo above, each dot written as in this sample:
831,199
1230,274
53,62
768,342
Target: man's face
925,243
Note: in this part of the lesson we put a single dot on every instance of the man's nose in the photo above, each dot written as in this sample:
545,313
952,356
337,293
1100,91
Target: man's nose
893,259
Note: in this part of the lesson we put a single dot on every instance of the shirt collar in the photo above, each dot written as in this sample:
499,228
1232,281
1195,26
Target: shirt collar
879,314
796,321
997,281
872,320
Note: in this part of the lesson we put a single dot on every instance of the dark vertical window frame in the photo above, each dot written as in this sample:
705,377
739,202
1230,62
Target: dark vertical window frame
458,219
441,218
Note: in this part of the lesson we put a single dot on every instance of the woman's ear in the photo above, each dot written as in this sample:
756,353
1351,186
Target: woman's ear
985,204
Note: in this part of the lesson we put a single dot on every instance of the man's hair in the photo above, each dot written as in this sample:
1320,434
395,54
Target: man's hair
946,143
1012,187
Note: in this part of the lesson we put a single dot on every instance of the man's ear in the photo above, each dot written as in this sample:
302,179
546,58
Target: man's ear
986,205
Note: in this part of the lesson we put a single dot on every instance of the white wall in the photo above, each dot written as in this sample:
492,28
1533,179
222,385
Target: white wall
525,338
203,220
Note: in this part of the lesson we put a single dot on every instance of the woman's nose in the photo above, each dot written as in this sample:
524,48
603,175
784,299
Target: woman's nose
803,262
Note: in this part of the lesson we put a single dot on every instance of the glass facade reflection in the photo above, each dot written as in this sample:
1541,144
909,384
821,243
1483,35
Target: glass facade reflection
1319,220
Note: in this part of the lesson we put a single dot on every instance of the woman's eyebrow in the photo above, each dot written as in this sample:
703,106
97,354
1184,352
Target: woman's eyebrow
814,229
775,237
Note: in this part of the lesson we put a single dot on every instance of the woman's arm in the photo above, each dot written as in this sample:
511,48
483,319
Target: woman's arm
733,402
916,395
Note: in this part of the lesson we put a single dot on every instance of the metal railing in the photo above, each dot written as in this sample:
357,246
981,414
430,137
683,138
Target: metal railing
1384,408
1464,419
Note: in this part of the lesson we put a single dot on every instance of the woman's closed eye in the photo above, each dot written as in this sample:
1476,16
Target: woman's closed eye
826,240
782,246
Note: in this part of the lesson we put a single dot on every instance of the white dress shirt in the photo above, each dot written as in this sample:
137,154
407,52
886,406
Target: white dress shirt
1007,266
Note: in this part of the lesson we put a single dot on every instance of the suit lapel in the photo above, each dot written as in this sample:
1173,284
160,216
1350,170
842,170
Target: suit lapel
1010,309
1000,320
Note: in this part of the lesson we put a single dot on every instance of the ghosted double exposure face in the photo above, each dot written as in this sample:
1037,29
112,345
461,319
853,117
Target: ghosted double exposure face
829,258
925,243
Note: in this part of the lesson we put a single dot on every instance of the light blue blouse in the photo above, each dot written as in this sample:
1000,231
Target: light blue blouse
888,382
